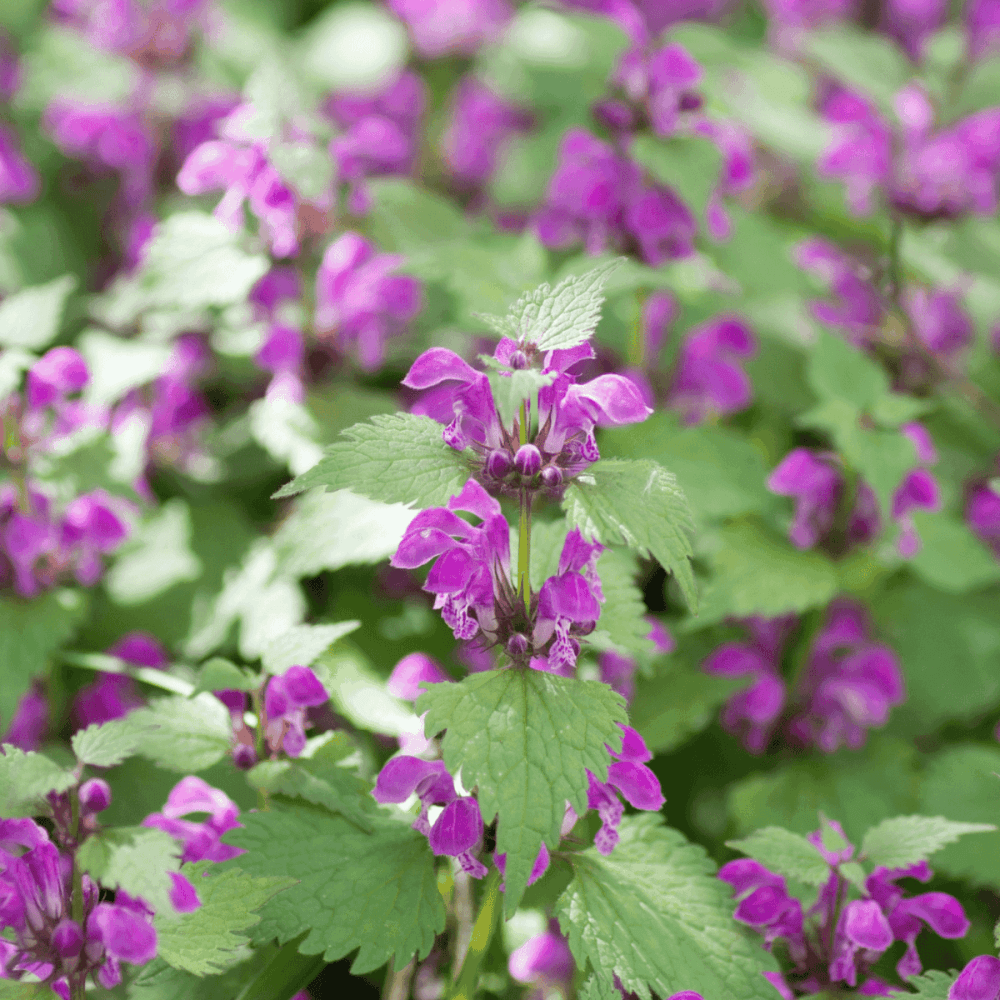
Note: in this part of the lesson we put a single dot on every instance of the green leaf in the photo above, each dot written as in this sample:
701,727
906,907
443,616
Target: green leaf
873,64
961,782
321,780
209,940
107,744
638,504
303,645
511,388
158,981
410,220
859,788
10,989
218,674
932,985
501,726
557,318
394,458
654,914
30,633
192,262
184,734
951,557
785,853
331,530
136,859
689,164
598,988
838,371
623,613
306,167
757,572
905,840
25,780
377,891
30,318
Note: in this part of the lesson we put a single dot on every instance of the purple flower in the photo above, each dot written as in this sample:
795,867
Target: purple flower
982,26
411,671
30,720
939,320
790,18
912,24
480,125
982,512
285,702
360,302
629,776
538,869
19,182
471,571
443,27
708,379
858,309
765,905
380,134
457,831
111,696
200,838
544,959
979,980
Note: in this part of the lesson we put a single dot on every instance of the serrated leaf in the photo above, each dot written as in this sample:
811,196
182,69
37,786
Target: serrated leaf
689,164
303,645
158,981
598,988
905,840
623,613
25,780
638,504
107,744
962,782
526,738
757,572
330,530
209,940
375,891
218,674
320,780
785,853
838,371
30,318
511,388
393,458
30,632
184,734
560,317
932,985
654,914
136,859
10,989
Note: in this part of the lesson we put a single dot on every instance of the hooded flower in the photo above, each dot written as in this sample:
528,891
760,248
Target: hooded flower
200,838
285,702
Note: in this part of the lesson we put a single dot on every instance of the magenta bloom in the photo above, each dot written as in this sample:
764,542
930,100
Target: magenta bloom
200,838
111,696
480,125
982,513
360,302
30,720
381,134
939,321
285,703
708,379
458,829
544,959
979,980
982,26
411,671
19,181
444,27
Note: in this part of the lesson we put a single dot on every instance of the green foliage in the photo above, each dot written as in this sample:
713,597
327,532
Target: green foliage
961,782
785,853
107,744
689,164
303,644
31,632
933,985
622,624
839,371
395,458
499,725
218,674
137,859
560,317
30,318
321,780
598,988
655,915
209,940
511,388
758,572
184,734
638,504
377,891
905,840
951,557
25,780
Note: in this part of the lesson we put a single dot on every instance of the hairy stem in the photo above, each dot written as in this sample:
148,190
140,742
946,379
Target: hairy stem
482,934
524,531
77,984
397,981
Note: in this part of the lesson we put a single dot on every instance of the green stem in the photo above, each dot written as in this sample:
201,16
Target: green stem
635,353
482,934
285,974
524,531
77,984
895,260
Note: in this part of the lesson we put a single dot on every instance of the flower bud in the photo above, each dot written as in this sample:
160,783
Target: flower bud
528,460
244,756
517,645
95,796
552,476
518,360
67,938
498,464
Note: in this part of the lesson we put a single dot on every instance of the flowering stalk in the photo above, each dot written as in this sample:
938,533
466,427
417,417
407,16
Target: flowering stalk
482,934
524,529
